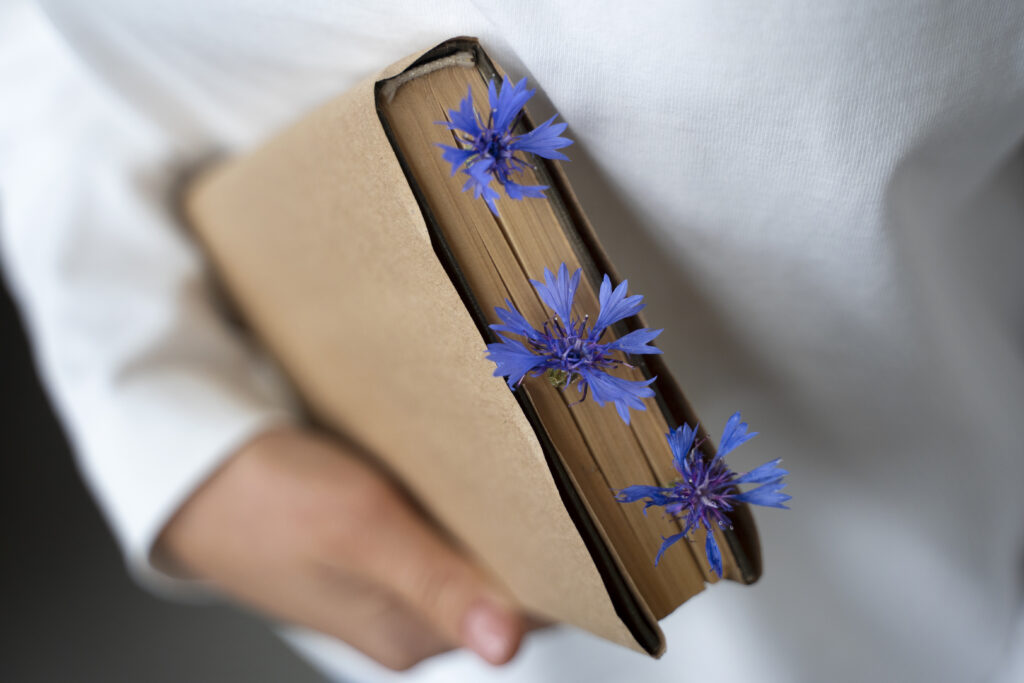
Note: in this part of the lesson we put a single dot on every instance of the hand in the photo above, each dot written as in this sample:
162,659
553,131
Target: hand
303,530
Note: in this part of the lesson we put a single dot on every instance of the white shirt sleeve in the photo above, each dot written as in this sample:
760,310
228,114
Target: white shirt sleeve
152,384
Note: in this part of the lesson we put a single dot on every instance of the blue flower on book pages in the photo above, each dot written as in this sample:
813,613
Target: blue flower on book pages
569,349
707,488
491,151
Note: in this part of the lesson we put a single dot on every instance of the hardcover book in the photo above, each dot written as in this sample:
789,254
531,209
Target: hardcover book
354,255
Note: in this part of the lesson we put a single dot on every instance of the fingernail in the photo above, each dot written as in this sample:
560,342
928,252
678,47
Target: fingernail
489,632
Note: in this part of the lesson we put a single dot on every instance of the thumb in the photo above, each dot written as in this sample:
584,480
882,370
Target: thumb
451,593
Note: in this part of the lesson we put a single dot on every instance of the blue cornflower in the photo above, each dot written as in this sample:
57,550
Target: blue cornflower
491,151
707,488
568,350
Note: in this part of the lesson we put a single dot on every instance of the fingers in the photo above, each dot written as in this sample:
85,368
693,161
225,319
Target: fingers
367,616
303,530
407,556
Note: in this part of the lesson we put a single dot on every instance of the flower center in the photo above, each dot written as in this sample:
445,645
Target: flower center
491,143
571,349
705,493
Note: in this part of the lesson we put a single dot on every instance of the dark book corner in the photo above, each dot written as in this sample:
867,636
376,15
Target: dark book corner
70,611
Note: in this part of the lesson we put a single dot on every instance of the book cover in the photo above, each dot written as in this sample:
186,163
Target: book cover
334,261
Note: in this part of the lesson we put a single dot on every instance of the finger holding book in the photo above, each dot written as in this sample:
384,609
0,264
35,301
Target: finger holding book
306,532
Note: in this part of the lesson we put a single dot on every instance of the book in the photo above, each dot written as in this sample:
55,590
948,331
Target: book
372,278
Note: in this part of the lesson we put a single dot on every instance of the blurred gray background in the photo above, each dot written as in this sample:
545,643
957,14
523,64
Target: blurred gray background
68,610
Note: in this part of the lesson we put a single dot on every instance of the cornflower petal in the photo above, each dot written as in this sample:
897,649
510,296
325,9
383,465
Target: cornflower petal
544,140
733,435
624,393
517,191
506,104
480,171
489,198
456,156
480,181
665,543
656,494
713,553
767,495
464,118
680,442
513,321
559,292
768,472
513,360
615,305
492,93
636,342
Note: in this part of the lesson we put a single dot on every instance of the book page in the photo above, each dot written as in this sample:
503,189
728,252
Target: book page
498,257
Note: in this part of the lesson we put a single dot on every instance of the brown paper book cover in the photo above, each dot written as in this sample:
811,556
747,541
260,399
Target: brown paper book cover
356,258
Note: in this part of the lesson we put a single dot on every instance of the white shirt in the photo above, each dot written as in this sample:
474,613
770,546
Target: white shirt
822,202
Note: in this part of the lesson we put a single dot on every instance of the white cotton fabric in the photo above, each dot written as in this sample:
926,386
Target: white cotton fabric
823,203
